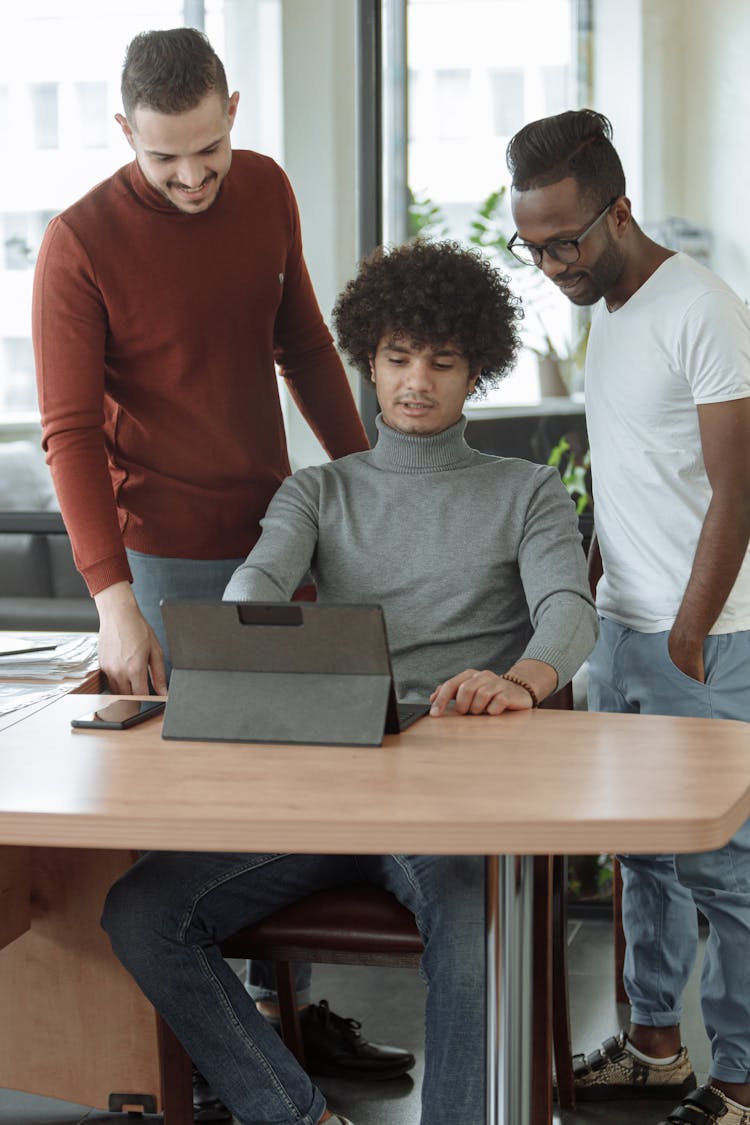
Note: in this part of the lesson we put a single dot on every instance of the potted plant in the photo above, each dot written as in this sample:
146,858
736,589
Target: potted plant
574,465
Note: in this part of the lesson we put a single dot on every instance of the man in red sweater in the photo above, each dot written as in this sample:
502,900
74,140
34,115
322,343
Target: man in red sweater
163,299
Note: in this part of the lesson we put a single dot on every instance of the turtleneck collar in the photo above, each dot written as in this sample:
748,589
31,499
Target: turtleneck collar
156,201
413,453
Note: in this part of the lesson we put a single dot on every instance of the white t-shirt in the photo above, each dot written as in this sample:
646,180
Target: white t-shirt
681,340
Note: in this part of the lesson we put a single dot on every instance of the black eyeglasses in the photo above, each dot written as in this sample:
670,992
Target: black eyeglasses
566,250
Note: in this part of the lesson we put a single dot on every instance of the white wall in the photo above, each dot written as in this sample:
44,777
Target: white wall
673,77
319,64
716,161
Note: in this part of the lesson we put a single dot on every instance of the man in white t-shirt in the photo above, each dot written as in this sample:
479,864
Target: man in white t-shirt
668,410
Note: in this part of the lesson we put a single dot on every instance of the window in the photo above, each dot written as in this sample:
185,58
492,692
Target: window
477,71
507,100
60,65
17,374
4,118
44,114
92,113
453,104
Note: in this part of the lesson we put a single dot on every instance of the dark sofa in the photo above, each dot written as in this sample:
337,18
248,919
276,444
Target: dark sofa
40,587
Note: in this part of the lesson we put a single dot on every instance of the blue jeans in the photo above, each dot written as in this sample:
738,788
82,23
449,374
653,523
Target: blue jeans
155,578
633,672
167,914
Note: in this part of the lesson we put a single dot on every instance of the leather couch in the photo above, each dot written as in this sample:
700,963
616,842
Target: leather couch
40,587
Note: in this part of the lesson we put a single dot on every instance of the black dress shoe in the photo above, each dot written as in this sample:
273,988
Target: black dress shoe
335,1047
206,1106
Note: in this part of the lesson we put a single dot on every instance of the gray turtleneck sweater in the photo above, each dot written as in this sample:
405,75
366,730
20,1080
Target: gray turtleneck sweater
476,560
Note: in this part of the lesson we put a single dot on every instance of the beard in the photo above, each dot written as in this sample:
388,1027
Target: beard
597,279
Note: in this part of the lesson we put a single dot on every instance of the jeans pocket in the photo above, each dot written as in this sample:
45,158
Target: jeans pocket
709,663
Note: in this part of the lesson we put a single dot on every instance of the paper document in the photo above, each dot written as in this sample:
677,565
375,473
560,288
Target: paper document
16,701
48,656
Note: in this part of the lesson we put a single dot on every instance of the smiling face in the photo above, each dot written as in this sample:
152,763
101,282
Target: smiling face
559,211
421,390
184,156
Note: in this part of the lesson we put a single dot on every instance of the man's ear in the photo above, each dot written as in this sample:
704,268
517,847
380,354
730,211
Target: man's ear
622,214
234,101
471,385
372,369
122,121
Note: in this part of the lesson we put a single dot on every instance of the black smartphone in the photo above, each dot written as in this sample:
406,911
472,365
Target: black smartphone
120,715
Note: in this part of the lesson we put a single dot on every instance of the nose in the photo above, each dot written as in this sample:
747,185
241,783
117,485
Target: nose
190,171
419,376
551,268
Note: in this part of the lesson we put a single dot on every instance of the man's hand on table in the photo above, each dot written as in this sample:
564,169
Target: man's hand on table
128,648
486,693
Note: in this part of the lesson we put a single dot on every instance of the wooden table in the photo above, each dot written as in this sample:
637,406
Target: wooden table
530,783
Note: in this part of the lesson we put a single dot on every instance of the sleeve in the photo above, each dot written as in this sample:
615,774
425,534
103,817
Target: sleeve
714,347
307,358
286,549
552,566
69,326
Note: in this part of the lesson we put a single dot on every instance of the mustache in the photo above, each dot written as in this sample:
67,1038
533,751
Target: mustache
187,187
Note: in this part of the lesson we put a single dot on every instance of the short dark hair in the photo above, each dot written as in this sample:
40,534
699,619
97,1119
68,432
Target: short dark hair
431,293
577,144
171,71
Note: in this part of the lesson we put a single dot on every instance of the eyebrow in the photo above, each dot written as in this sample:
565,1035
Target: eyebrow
173,155
555,238
405,349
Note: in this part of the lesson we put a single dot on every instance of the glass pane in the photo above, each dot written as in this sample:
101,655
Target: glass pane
479,70
92,113
44,114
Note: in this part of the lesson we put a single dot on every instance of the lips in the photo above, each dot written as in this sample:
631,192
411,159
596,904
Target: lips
568,283
193,193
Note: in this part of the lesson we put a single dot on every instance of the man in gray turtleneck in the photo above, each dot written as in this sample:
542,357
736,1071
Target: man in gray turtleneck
476,560
477,563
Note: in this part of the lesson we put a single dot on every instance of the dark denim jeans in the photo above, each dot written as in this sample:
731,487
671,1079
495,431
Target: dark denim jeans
166,915
155,578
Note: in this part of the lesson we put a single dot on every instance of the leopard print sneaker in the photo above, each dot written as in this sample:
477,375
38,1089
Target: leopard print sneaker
613,1072
708,1106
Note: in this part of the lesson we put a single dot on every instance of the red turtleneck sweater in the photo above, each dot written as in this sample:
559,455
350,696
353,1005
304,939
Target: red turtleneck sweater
155,336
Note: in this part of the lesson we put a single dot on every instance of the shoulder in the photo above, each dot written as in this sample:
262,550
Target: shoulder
262,173
257,186
96,205
86,226
697,290
516,469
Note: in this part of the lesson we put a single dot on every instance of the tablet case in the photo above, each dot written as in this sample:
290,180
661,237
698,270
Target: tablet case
278,672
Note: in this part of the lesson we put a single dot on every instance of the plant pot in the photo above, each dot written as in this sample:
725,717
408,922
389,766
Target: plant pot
551,383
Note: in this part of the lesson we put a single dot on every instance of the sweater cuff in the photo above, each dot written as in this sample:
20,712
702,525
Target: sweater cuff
106,573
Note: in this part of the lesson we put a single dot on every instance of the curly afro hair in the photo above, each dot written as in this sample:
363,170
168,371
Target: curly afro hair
431,293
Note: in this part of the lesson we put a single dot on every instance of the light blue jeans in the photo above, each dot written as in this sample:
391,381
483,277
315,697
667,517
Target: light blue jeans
154,579
166,915
633,672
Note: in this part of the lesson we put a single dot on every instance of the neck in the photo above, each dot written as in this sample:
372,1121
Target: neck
643,258
421,453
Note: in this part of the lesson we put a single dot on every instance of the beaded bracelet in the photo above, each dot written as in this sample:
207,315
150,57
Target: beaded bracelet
524,685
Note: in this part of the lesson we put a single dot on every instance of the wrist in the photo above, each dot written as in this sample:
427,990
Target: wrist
117,597
522,684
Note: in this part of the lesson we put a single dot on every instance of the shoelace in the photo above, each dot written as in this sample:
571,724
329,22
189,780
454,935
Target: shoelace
344,1023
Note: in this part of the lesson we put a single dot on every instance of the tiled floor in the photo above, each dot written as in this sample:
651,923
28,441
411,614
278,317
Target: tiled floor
390,1003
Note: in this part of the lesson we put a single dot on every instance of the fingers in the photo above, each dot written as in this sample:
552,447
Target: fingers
479,693
158,670
444,693
125,675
